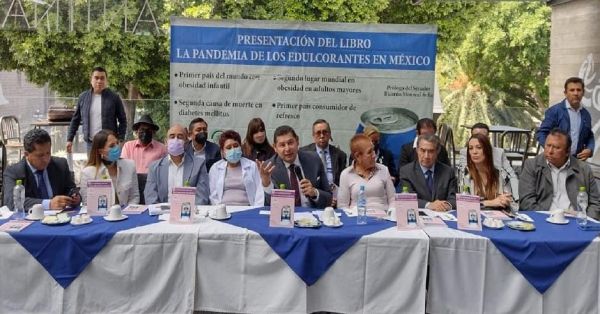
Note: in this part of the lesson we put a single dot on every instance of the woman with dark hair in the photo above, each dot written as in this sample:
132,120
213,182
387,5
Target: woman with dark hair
234,180
481,175
256,145
104,162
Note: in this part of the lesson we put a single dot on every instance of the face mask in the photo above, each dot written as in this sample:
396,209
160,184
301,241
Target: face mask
145,137
233,155
175,146
200,138
114,153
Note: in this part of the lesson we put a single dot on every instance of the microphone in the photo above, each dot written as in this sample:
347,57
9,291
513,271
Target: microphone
298,173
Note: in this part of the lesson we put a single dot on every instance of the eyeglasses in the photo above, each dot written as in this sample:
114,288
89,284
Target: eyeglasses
322,132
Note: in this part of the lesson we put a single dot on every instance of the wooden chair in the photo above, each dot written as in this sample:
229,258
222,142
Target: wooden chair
10,135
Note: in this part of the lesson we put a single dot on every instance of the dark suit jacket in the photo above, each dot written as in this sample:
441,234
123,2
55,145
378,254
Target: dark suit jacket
408,154
338,160
313,170
444,180
557,116
112,112
58,174
212,151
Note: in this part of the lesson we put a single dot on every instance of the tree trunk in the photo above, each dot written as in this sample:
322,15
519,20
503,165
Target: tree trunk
133,97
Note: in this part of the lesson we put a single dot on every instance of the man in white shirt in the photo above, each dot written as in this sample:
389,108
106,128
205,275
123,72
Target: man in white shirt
98,108
552,180
177,169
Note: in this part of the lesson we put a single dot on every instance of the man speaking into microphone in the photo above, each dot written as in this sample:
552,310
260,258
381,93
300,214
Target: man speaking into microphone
301,171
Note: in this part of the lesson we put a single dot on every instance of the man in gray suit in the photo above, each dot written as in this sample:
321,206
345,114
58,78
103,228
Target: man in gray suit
433,181
551,181
47,179
177,169
301,171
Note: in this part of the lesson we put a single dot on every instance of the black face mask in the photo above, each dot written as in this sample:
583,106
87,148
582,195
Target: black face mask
200,138
145,137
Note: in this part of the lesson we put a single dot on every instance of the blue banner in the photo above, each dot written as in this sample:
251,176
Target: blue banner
303,48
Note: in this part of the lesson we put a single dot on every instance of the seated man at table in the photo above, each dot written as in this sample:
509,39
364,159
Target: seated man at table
144,150
433,181
178,168
301,171
408,152
551,180
199,146
47,179
570,116
500,161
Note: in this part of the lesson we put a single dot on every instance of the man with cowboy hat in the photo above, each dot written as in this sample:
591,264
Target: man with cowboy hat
144,150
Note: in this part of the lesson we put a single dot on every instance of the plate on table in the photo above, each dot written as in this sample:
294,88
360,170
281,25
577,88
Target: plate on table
30,217
521,225
211,216
56,220
307,223
493,223
549,219
339,224
107,218
78,220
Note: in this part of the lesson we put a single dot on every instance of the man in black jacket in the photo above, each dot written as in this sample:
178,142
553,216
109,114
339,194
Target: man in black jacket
333,159
97,109
47,179
408,152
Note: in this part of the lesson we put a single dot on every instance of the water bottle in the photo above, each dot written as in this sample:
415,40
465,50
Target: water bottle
361,207
582,204
19,200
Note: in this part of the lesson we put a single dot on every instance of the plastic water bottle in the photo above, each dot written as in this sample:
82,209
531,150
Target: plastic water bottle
582,204
19,200
361,207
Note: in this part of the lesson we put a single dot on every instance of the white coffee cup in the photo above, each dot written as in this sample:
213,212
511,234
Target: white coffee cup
392,213
557,216
328,214
36,211
221,212
114,212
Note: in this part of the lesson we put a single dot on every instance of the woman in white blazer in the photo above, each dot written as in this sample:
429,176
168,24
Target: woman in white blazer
104,163
234,180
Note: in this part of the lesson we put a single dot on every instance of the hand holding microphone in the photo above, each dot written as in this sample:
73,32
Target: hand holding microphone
306,186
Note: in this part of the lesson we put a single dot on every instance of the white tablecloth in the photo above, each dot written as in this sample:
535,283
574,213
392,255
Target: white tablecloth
213,266
148,269
468,274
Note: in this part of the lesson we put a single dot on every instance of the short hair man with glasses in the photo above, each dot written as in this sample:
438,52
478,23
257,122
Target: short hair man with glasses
333,159
47,179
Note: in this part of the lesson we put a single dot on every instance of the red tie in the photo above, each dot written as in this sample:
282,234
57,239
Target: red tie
294,183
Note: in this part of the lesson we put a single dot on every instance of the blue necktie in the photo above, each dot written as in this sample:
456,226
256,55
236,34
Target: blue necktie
429,181
41,187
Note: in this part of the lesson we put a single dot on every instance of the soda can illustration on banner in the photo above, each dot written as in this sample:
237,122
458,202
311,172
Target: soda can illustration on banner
397,126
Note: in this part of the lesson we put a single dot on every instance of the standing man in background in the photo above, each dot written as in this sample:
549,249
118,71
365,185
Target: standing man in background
570,116
199,146
97,108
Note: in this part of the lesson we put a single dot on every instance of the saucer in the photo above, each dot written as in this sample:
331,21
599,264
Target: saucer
211,216
81,223
332,225
123,217
549,219
28,217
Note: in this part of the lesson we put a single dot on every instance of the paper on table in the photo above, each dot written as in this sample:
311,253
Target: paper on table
350,212
134,209
15,225
157,209
495,214
446,216
264,212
